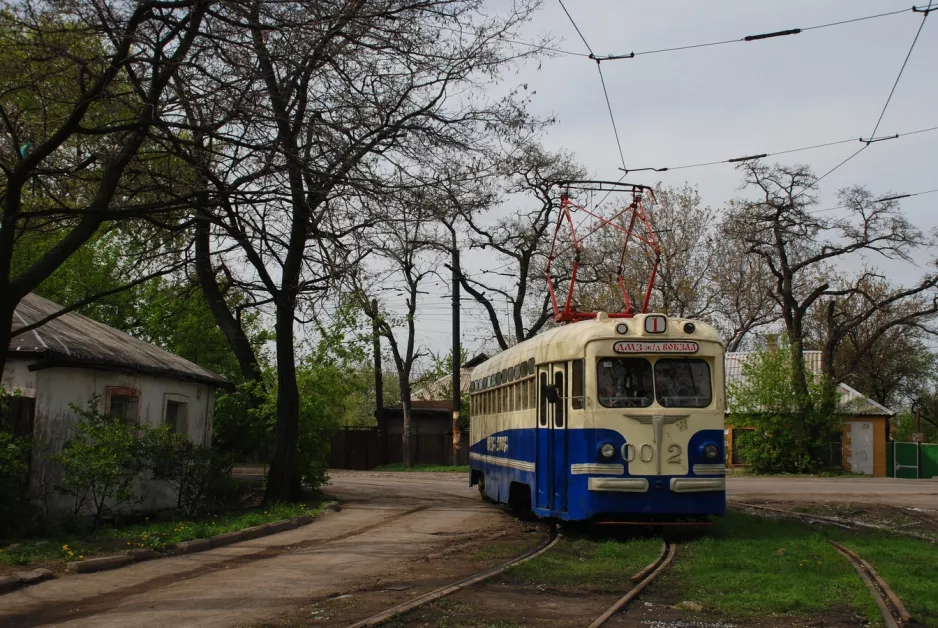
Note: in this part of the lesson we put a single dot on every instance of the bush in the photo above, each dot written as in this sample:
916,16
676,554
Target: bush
194,473
100,463
791,434
17,511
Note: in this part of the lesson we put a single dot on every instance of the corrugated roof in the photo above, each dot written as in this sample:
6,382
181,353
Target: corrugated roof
76,340
436,389
851,401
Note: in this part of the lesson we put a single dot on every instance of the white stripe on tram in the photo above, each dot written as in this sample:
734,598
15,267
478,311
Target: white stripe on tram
504,462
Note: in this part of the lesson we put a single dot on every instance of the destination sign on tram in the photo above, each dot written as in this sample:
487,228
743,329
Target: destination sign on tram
629,346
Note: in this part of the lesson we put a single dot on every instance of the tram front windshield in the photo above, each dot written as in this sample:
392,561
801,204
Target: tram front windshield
634,383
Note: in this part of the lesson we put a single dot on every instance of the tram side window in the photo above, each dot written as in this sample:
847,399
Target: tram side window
577,400
683,383
517,396
531,391
624,383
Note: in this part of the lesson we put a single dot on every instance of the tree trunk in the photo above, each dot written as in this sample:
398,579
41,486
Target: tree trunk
283,481
407,448
226,321
8,301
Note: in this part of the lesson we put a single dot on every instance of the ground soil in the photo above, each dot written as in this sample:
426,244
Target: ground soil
397,535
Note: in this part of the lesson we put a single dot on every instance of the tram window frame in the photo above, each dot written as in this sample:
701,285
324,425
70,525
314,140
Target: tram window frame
649,389
561,402
517,396
688,361
577,385
542,404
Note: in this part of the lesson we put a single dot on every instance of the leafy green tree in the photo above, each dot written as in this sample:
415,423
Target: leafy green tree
100,463
785,438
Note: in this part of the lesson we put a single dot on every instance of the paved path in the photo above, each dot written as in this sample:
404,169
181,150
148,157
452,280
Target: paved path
386,521
909,493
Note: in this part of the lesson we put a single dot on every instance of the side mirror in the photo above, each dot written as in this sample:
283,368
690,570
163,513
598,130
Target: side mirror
550,392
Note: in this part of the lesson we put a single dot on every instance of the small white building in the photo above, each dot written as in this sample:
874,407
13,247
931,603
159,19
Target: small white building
69,359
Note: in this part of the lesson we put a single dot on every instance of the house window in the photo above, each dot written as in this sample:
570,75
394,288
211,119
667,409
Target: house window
123,403
176,416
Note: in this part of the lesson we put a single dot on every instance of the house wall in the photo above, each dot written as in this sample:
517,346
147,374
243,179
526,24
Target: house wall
879,442
58,388
18,377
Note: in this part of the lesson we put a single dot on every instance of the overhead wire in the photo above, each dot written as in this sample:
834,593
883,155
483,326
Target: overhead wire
878,200
749,38
602,80
902,69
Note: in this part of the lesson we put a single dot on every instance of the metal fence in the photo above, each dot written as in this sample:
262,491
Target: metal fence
912,460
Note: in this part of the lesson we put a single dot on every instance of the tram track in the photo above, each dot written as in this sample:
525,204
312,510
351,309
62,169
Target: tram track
642,579
894,611
846,524
431,596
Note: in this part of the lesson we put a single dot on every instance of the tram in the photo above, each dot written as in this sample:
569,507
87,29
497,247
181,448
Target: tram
604,419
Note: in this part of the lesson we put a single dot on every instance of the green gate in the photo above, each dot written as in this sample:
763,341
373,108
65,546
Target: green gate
929,460
912,460
905,460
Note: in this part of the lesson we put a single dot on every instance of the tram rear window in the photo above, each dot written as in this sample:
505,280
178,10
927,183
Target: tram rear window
683,383
624,382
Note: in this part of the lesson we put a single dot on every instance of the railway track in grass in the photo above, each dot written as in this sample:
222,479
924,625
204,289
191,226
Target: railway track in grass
894,612
642,579
379,618
846,524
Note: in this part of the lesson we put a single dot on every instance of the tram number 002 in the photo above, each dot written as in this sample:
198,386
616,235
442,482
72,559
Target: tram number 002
646,453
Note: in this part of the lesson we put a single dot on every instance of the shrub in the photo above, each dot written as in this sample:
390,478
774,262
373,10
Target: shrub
194,473
791,434
100,463
17,510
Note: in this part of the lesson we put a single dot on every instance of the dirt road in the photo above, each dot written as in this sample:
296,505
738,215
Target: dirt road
907,493
387,522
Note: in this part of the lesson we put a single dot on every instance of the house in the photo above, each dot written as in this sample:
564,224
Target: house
70,358
864,422
442,387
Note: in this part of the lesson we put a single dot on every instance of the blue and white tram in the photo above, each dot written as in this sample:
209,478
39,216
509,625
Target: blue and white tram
608,418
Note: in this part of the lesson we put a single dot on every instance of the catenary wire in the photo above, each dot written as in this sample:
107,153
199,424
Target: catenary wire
902,69
780,152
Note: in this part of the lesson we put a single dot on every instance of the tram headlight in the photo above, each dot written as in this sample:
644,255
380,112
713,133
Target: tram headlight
607,451
622,328
711,451
689,328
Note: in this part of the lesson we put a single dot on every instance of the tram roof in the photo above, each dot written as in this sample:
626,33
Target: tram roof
577,334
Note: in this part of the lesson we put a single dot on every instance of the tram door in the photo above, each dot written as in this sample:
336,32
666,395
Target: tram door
552,437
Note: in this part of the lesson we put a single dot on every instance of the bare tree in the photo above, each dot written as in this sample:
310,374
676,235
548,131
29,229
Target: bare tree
72,127
797,246
305,112
743,292
521,243
406,250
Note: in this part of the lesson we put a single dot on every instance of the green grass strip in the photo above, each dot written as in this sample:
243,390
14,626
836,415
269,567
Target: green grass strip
151,534
587,565
909,567
751,566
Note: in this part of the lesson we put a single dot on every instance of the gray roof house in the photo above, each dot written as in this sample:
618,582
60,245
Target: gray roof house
70,359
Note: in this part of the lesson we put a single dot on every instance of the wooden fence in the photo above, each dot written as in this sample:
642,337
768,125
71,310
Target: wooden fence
367,448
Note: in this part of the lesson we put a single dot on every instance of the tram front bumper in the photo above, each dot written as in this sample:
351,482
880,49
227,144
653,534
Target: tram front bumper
640,485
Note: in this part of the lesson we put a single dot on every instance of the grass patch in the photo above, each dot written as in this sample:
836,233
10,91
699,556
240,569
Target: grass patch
598,565
154,535
750,566
909,566
502,550
399,466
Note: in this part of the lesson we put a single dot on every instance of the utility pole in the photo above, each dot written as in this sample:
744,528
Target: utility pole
457,354
376,344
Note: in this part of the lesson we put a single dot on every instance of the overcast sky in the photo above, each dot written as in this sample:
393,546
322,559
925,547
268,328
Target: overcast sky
719,102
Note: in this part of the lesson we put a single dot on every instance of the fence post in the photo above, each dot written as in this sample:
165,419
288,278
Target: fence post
918,460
